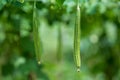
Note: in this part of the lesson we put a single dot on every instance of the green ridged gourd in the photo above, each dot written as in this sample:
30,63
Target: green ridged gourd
36,35
59,45
77,33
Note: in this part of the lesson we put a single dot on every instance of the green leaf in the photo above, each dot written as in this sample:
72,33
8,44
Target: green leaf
2,3
60,2
21,1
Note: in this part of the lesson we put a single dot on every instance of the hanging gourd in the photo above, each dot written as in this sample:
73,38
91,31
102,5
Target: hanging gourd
59,50
36,35
77,38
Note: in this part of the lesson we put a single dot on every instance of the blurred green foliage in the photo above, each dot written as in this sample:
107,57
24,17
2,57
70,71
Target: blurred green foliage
100,43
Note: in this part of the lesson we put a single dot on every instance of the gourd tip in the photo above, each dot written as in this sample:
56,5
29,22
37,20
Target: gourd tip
78,69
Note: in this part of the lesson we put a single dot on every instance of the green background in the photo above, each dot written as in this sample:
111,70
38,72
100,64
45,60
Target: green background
100,40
